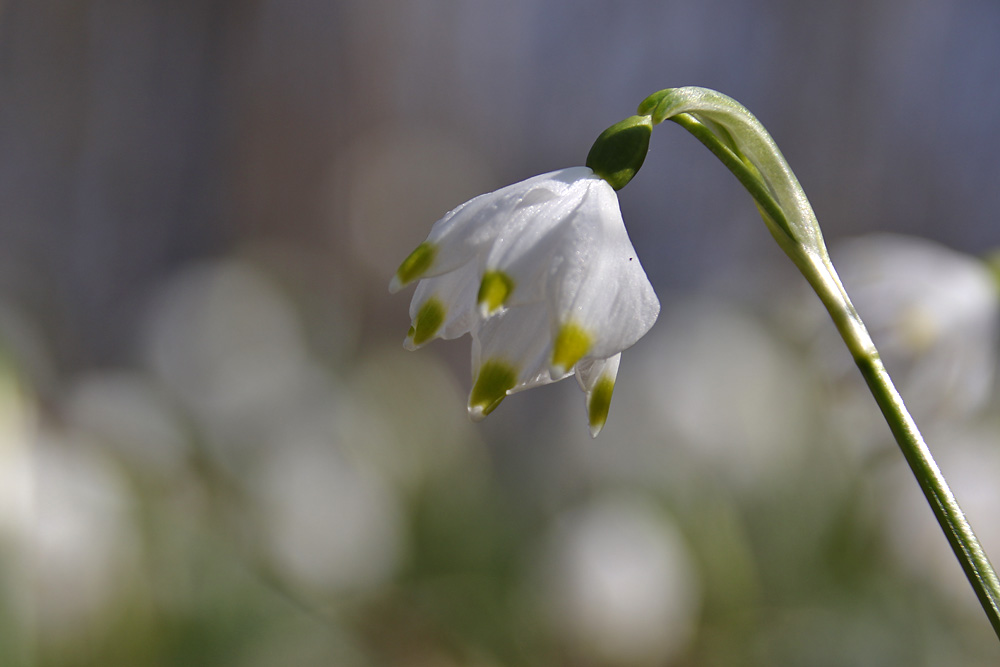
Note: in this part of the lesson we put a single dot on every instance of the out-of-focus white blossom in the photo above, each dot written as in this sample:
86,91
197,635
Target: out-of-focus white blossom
227,347
83,539
713,388
225,341
18,517
543,275
933,313
620,584
17,435
125,412
328,525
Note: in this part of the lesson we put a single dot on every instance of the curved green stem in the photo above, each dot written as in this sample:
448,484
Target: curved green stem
970,553
733,135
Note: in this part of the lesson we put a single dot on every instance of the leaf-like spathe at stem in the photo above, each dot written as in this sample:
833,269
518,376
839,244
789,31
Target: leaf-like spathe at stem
734,130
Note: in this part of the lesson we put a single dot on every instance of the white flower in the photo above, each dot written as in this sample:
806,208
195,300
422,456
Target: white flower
934,314
619,583
544,277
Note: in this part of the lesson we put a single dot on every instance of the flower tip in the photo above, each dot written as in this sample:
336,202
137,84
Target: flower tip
494,289
477,413
414,266
427,323
494,381
599,403
570,345
558,372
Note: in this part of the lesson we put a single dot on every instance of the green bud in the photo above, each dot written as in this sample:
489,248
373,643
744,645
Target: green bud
620,150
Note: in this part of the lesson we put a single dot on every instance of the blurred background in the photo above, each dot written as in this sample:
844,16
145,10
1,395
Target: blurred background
214,450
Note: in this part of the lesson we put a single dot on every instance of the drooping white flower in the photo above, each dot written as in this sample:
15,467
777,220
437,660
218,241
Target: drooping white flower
543,275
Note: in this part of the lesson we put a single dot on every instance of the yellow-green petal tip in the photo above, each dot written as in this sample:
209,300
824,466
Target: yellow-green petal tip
427,323
571,343
414,266
494,289
495,379
599,403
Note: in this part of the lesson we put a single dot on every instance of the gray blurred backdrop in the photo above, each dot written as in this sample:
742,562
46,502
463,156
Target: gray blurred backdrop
201,205
139,136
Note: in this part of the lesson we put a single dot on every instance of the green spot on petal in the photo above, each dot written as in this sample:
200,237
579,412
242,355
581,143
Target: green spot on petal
430,317
494,289
570,345
417,263
600,403
495,379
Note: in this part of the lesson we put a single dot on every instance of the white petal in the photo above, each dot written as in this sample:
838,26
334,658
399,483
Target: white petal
589,371
519,336
479,223
518,339
456,293
599,283
597,378
526,249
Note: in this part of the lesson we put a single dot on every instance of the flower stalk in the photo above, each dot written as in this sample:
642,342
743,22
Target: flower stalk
738,139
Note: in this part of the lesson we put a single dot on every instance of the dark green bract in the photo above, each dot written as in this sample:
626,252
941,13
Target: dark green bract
620,150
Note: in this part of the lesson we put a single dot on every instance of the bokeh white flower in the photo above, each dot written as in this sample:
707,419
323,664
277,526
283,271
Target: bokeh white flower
712,353
544,277
934,314
620,583
19,417
328,525
84,541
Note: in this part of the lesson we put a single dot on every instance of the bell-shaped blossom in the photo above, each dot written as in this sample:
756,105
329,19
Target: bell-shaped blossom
543,275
